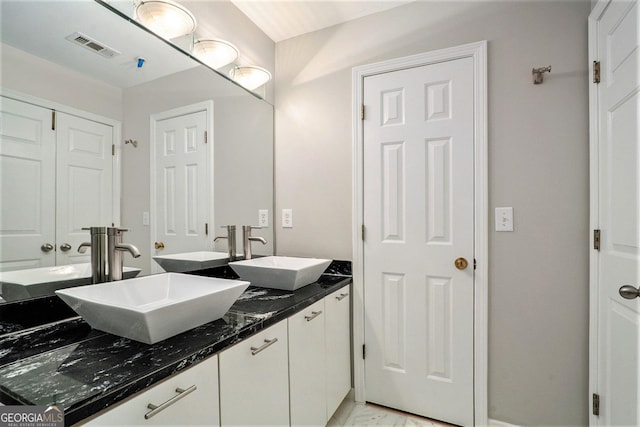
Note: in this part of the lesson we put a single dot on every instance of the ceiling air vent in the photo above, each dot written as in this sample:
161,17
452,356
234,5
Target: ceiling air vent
92,44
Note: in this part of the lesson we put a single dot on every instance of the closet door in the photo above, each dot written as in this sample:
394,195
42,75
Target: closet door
85,183
27,186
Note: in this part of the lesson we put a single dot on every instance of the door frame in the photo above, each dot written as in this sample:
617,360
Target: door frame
116,164
206,106
478,52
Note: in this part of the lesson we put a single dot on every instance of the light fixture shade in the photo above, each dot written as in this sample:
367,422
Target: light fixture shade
165,18
250,77
215,53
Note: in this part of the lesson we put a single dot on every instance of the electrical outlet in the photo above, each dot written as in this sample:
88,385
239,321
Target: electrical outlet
504,219
287,218
145,218
263,217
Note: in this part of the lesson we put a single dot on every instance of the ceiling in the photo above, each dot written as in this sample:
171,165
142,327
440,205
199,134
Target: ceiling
41,28
283,19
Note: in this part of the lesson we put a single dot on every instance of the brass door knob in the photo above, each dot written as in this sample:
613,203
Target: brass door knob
461,263
159,245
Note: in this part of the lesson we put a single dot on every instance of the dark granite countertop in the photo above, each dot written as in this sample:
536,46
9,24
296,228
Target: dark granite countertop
66,363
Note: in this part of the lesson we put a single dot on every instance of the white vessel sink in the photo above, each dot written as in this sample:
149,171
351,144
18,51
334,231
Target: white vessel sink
280,272
191,261
37,282
153,308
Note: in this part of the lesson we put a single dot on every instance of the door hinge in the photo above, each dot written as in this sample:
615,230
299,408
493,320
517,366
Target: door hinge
475,264
206,139
596,404
206,228
361,111
363,232
113,149
364,351
53,119
596,240
596,71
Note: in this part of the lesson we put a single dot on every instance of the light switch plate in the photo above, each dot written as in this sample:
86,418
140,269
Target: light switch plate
504,219
287,218
263,217
145,218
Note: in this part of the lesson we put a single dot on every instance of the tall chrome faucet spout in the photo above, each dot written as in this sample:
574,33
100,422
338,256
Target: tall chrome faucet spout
231,240
128,248
115,249
247,238
98,253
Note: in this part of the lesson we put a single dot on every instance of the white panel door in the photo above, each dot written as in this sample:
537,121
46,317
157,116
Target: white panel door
618,263
85,183
182,184
418,214
27,186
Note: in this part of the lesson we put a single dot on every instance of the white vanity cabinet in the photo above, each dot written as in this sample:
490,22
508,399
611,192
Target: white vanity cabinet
254,381
307,369
188,398
319,359
338,347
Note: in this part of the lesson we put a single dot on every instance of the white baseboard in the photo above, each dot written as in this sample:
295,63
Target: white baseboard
496,423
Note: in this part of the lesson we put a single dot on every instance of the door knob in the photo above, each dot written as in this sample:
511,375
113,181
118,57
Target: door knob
159,245
461,263
629,292
65,247
47,247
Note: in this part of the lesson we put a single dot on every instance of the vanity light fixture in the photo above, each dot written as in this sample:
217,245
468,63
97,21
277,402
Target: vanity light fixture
215,53
250,77
166,18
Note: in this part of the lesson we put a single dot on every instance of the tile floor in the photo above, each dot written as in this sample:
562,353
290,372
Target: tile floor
352,414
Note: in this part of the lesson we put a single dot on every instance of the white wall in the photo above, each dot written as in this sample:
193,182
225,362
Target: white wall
37,77
538,163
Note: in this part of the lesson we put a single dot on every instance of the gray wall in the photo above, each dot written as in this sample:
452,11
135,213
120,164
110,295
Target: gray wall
37,77
538,163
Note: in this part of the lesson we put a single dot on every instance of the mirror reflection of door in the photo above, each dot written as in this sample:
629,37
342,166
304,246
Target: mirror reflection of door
55,178
183,183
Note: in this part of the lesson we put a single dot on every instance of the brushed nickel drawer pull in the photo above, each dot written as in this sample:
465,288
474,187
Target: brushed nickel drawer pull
267,343
341,297
314,314
156,409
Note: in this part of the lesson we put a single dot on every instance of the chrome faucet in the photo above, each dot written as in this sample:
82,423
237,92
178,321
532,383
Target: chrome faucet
247,238
231,240
115,247
98,253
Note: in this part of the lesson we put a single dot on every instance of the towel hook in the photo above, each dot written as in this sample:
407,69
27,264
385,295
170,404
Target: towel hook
132,142
537,74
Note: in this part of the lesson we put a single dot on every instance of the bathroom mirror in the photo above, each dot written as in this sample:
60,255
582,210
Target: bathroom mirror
42,62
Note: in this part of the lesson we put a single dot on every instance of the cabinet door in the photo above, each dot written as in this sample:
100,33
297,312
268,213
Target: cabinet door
338,343
254,382
197,405
307,366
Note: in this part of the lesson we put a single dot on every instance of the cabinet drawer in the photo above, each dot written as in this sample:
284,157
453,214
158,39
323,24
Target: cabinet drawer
197,404
254,380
